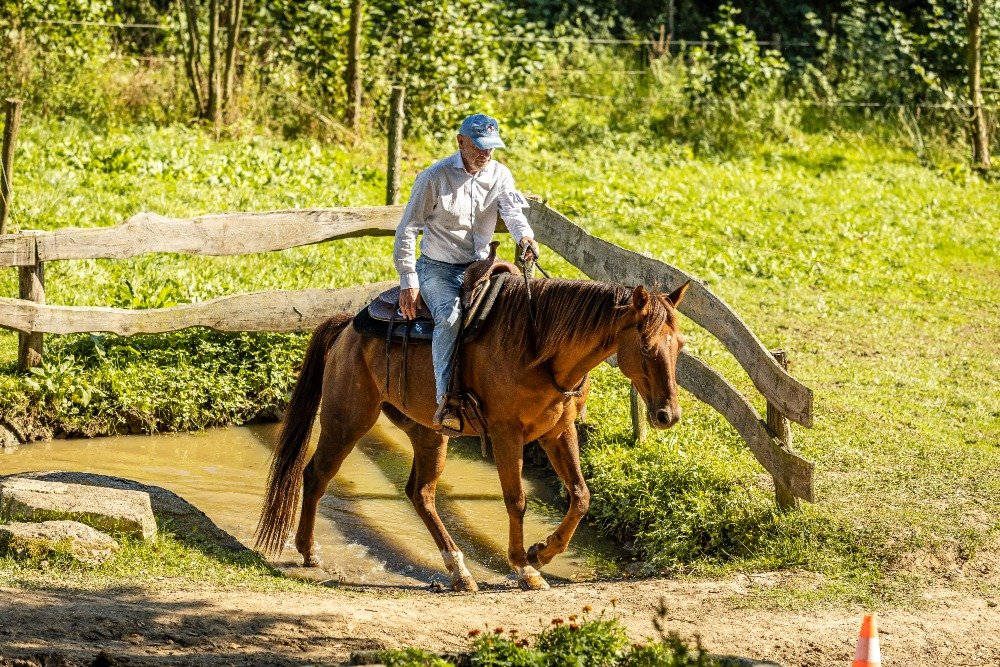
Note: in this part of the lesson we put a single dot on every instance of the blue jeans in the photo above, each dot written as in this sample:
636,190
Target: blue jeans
440,284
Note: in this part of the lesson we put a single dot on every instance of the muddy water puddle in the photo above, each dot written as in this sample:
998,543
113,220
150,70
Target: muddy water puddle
367,531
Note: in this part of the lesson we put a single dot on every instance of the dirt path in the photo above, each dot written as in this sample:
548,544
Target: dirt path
219,627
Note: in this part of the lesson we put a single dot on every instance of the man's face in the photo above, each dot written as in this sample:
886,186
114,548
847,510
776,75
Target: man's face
475,159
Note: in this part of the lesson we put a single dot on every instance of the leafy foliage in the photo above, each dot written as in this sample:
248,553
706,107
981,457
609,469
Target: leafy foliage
734,66
411,657
878,52
592,642
444,53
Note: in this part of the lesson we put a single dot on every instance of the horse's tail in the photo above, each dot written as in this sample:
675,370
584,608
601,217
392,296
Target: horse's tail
284,483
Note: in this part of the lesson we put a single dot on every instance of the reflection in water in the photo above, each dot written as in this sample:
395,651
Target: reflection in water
367,531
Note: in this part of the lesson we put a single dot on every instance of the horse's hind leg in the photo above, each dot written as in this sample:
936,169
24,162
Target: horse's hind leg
343,420
429,452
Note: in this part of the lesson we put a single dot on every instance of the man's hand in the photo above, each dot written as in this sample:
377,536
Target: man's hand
529,249
410,302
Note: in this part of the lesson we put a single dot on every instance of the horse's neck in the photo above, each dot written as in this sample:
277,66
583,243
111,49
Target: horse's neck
572,363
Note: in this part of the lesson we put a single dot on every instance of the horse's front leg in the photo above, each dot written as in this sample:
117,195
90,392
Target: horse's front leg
563,451
508,450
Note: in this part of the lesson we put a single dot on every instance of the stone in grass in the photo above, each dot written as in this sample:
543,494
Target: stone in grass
115,511
35,541
180,517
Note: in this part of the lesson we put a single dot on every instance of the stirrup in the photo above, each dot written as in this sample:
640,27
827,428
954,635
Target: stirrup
447,418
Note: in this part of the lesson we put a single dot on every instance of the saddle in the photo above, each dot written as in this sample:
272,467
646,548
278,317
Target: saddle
481,284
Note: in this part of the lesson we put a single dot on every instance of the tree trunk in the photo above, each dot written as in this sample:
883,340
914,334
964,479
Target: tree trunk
980,133
354,68
234,16
213,63
192,52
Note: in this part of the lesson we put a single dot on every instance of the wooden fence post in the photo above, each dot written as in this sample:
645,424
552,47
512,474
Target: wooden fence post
640,424
780,428
12,122
396,119
31,287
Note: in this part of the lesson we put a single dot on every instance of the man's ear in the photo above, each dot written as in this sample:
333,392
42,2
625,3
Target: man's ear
640,299
678,294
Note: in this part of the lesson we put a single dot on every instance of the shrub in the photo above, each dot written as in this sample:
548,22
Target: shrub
734,66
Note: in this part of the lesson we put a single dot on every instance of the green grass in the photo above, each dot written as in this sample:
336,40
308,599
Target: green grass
879,276
182,559
582,641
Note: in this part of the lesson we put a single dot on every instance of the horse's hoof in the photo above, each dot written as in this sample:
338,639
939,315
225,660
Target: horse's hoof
310,560
530,580
464,585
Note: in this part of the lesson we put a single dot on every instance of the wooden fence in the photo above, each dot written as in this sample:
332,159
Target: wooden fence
302,310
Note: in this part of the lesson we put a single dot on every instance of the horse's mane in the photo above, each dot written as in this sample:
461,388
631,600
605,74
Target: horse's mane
570,311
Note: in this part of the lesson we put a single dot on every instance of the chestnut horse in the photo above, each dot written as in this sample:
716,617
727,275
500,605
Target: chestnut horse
517,372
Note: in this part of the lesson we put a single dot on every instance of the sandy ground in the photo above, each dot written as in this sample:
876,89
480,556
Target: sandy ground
221,627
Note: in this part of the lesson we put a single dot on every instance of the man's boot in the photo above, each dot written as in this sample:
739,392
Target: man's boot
446,416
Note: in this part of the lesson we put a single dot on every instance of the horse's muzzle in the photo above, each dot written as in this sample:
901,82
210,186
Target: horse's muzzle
664,417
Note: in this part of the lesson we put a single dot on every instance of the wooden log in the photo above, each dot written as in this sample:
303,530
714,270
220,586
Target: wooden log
395,156
606,261
285,311
220,234
640,423
781,431
12,122
794,472
31,289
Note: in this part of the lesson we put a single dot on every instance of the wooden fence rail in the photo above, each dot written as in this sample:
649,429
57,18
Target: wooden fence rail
223,234
302,310
278,310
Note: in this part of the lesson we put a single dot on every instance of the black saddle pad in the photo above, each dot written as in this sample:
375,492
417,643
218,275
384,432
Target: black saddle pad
422,328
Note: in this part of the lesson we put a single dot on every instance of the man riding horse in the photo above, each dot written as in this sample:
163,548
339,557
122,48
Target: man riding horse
529,368
454,203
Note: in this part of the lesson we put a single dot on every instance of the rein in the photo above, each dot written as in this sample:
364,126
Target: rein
531,262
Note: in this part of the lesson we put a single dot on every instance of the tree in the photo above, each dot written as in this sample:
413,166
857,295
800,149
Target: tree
212,90
354,68
980,133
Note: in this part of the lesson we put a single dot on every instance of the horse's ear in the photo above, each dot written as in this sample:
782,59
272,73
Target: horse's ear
678,294
640,298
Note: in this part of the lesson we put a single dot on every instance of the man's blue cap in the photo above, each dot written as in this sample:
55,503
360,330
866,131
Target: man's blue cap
483,130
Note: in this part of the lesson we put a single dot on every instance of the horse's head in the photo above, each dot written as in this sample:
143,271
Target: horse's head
647,353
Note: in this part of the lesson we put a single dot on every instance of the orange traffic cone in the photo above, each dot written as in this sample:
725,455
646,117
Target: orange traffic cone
868,654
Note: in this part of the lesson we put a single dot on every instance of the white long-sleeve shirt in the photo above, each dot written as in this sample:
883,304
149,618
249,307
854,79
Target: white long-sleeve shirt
457,213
